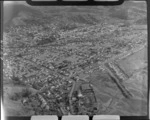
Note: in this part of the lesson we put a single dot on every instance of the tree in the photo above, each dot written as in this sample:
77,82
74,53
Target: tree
16,80
25,93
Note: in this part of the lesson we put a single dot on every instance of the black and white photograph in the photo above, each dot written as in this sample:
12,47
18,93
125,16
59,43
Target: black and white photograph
75,60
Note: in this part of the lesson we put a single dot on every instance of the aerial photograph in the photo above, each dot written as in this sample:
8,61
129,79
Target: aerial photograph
75,60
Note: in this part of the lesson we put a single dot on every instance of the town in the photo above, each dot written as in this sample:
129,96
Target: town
74,63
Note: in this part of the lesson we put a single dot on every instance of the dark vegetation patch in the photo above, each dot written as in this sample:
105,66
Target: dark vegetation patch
16,80
83,18
23,94
32,22
67,26
142,21
46,40
121,13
